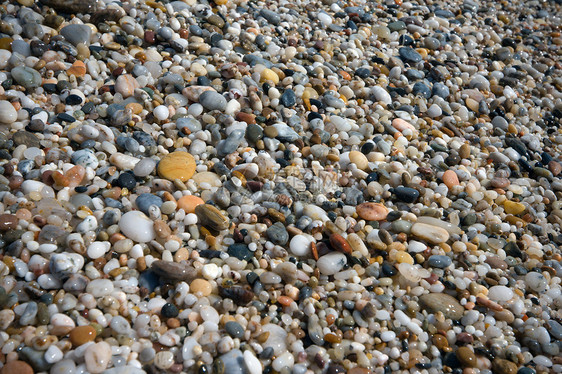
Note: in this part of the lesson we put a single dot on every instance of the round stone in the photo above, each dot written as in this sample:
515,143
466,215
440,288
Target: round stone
359,159
137,226
372,211
189,202
8,113
200,287
466,356
16,367
441,302
82,335
177,165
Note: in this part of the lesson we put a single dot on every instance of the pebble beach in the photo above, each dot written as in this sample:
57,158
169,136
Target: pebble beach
280,187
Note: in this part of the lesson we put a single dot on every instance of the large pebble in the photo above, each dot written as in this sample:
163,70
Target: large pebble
8,113
137,226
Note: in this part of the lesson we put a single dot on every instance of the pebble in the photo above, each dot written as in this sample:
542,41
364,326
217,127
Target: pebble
331,263
137,226
440,302
77,34
295,188
177,165
8,113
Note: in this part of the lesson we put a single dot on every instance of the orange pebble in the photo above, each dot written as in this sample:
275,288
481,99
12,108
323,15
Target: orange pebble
78,69
450,178
189,202
285,300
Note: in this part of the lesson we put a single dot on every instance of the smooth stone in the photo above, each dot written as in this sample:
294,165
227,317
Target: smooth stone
26,138
409,54
144,167
177,165
271,16
500,293
441,302
16,367
234,329
82,335
8,113
233,362
85,158
189,202
439,261
501,366
372,211
240,251
231,143
277,234
536,281
300,245
125,85
406,194
100,287
430,233
359,159
97,357
466,357
201,287
137,226
145,200
26,76
331,263
211,217
175,271
77,34
212,100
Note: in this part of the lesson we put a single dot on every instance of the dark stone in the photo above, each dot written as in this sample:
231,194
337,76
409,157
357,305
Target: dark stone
240,251
126,180
406,194
409,54
73,100
169,311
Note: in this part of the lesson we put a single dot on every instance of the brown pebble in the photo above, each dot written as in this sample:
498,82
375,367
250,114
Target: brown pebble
555,167
501,366
440,341
82,335
465,337
340,244
8,222
16,367
466,356
496,263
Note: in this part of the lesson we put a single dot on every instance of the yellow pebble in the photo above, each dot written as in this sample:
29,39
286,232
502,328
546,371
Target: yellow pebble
512,207
269,75
404,257
136,108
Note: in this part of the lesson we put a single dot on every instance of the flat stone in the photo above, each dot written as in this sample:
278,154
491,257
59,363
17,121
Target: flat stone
212,100
372,211
441,302
211,217
26,138
16,367
77,34
27,77
177,165
430,233
175,271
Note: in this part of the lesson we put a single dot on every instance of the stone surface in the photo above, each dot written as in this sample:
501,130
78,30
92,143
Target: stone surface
177,165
